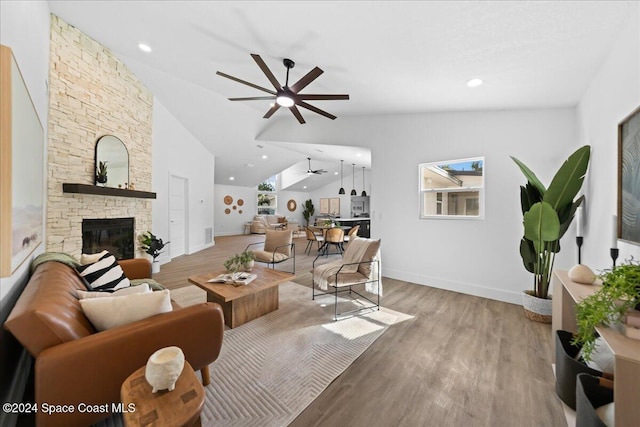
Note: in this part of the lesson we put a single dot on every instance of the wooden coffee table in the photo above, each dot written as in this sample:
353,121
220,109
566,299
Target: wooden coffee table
180,407
242,304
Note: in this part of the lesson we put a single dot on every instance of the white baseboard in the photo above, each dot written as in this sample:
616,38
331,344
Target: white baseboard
200,248
450,285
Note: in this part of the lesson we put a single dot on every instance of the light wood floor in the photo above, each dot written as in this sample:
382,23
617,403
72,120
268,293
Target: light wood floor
459,361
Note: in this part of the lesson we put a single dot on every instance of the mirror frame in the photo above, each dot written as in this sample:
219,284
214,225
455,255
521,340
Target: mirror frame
97,160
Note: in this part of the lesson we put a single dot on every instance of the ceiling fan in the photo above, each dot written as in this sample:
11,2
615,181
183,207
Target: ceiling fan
287,96
316,172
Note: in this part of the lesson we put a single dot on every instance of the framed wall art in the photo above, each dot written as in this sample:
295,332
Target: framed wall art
21,167
629,178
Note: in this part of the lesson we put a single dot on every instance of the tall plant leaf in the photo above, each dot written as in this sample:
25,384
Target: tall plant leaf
531,177
568,180
541,224
529,195
528,254
566,215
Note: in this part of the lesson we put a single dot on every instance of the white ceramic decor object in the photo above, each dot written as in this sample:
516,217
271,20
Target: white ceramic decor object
164,367
582,274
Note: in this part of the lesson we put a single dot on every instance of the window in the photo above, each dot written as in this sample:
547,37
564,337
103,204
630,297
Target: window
267,198
452,189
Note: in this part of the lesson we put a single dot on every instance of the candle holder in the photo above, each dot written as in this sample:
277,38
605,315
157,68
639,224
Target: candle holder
614,255
579,240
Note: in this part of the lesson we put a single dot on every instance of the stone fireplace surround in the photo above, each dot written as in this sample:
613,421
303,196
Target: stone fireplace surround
91,94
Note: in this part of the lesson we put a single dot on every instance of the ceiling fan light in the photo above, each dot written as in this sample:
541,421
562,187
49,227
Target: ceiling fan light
284,101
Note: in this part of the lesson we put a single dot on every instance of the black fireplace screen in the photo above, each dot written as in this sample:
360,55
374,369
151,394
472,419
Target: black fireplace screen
114,235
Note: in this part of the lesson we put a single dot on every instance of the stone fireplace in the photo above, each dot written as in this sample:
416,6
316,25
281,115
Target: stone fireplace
115,235
91,94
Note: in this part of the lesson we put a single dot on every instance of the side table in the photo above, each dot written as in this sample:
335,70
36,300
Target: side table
180,407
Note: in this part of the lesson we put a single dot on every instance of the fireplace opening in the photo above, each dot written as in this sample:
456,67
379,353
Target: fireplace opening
113,234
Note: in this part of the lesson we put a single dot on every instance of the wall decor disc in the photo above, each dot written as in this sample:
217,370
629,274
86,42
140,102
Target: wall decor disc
228,200
227,211
234,207
240,211
240,202
292,205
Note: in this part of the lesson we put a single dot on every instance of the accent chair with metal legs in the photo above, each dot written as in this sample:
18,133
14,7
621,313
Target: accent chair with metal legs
278,248
359,265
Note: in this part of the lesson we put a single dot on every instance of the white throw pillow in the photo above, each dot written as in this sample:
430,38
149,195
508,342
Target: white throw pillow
602,358
91,258
143,288
111,312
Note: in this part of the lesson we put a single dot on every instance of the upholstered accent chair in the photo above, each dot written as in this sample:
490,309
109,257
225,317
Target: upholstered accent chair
278,248
358,267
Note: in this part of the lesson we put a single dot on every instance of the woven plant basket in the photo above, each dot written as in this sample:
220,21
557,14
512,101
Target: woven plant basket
536,309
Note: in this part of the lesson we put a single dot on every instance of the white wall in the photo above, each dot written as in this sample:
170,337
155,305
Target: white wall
478,257
24,27
177,152
233,223
612,95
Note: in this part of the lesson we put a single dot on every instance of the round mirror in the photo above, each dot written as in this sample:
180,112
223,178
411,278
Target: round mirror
112,162
292,205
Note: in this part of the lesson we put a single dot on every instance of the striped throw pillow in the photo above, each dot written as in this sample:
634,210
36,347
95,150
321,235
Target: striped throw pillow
104,275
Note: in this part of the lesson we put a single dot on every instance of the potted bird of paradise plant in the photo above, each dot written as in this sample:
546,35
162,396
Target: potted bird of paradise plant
547,215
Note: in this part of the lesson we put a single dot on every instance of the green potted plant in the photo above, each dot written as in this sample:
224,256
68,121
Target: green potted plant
620,293
101,173
152,245
547,215
242,261
308,210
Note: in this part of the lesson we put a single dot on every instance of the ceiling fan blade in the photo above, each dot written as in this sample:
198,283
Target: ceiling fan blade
322,97
253,98
267,72
308,78
271,111
316,110
235,79
296,113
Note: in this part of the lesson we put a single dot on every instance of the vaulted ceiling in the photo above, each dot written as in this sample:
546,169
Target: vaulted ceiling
391,58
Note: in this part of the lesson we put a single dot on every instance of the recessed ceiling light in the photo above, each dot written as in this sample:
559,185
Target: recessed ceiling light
264,156
231,178
304,187
359,154
335,173
249,165
474,82
144,47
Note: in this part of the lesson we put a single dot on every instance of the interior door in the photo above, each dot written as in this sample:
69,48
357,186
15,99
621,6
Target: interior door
178,225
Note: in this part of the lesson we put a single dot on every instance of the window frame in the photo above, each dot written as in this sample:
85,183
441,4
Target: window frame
480,189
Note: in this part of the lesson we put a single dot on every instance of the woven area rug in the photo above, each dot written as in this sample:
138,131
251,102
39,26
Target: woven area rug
272,368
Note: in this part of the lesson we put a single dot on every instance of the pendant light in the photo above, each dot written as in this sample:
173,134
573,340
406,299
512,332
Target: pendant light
364,193
341,187
354,192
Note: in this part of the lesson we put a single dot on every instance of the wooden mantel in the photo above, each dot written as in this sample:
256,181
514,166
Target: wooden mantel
106,191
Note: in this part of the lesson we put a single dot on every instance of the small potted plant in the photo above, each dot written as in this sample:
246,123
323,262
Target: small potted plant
619,294
247,258
152,245
547,215
101,173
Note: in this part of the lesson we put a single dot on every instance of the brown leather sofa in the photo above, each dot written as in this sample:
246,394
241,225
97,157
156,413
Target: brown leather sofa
76,365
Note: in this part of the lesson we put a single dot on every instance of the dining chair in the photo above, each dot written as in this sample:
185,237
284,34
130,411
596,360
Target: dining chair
312,237
333,236
352,232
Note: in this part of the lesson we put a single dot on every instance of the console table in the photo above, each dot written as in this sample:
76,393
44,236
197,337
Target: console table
627,351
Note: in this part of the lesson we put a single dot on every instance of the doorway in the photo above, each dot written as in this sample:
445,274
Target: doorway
178,215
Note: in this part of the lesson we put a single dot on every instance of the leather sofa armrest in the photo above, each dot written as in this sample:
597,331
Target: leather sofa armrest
91,370
136,268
